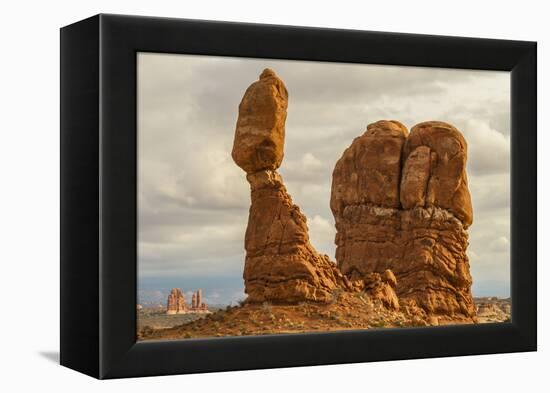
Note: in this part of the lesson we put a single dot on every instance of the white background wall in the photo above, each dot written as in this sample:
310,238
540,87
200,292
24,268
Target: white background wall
29,154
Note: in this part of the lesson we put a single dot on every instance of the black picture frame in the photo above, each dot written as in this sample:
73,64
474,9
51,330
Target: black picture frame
98,195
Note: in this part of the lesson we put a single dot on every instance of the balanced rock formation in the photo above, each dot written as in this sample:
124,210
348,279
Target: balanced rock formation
176,302
281,265
401,202
260,133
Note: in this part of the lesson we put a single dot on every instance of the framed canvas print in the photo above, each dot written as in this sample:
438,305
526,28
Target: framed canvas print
239,196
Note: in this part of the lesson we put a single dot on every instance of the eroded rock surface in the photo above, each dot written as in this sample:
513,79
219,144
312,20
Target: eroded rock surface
369,170
281,265
401,202
382,287
441,152
260,132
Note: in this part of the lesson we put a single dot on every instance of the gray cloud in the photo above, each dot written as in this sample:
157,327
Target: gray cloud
193,200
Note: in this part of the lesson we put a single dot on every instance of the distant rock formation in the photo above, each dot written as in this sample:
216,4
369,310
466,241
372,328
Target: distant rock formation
197,305
176,302
281,265
401,202
493,309
199,298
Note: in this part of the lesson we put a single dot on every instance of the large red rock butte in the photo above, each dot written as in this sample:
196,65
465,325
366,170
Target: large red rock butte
281,265
401,202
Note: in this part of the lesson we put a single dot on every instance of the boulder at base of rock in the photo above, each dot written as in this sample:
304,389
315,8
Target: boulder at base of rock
381,287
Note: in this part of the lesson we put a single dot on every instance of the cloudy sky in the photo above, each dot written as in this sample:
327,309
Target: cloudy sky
193,200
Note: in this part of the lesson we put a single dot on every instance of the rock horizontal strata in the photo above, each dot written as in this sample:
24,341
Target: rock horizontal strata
401,202
281,265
